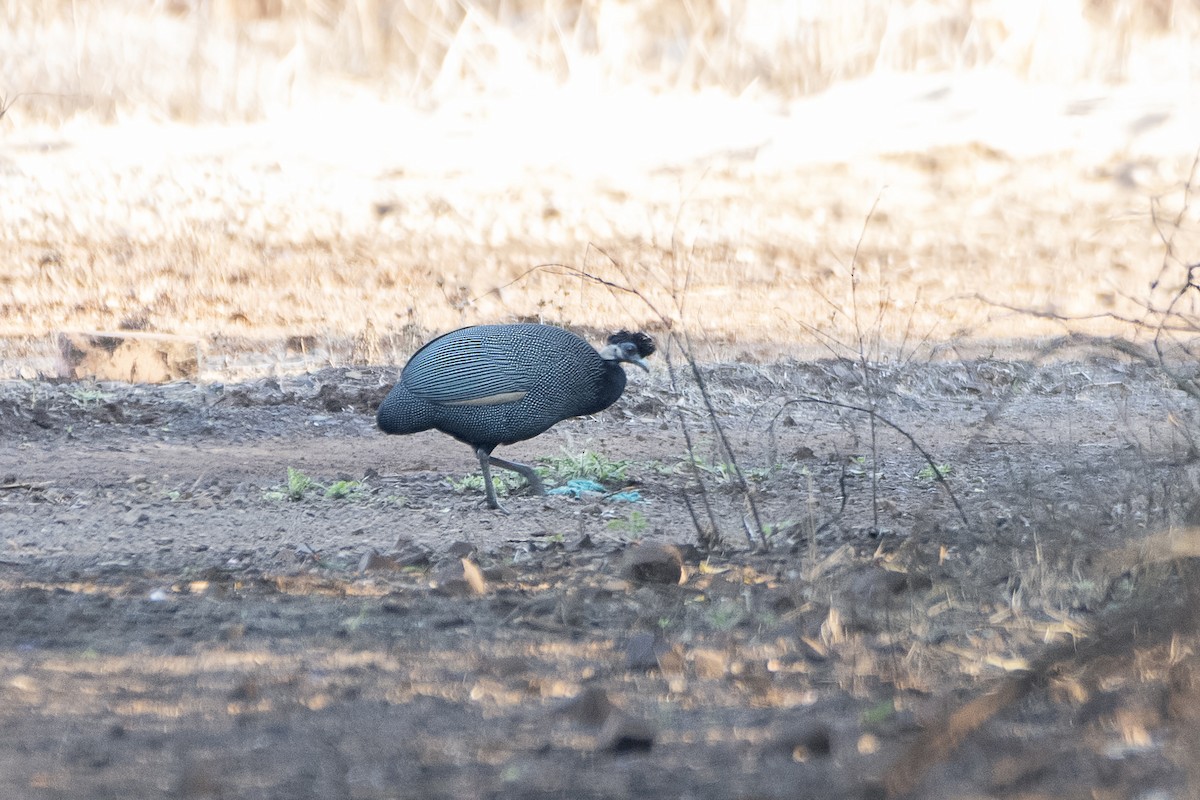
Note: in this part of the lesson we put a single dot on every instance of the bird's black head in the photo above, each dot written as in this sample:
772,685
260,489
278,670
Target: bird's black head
629,347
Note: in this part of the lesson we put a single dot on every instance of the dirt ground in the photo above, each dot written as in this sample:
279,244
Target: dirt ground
897,547
177,620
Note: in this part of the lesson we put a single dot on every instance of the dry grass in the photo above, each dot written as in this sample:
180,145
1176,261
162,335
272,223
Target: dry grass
238,59
326,169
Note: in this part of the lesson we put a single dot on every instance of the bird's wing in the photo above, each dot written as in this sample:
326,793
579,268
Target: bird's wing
466,368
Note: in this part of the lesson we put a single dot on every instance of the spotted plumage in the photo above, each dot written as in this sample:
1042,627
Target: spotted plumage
490,385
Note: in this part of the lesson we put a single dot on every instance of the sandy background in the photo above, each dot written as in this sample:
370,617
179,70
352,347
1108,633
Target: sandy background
250,172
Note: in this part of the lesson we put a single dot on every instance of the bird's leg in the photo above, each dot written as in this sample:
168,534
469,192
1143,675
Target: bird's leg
489,489
524,470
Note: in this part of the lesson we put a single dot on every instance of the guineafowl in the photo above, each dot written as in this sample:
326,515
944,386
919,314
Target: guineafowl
490,385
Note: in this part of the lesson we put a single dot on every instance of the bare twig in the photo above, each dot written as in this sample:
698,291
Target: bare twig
1168,239
874,414
711,538
865,364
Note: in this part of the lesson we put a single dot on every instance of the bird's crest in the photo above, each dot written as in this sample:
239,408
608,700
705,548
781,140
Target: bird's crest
644,344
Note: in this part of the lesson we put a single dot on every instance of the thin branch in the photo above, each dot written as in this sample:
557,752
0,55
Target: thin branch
874,414
1168,240
743,484
715,536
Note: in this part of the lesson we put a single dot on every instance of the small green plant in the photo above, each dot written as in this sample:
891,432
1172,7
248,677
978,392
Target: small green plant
772,528
340,490
475,482
926,473
504,483
352,624
879,713
586,466
725,615
726,472
87,398
298,485
861,467
634,525
663,467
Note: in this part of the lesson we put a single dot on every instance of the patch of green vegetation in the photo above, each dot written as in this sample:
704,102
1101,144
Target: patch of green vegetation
88,397
766,621
879,713
664,468
504,482
725,615
298,485
726,471
772,528
861,467
926,473
340,490
586,466
352,624
633,526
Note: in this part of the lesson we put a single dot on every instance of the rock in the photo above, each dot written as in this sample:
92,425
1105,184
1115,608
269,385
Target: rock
876,585
461,549
654,563
374,561
590,707
501,574
412,556
460,580
641,652
623,733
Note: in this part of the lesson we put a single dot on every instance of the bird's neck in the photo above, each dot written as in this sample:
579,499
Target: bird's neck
609,386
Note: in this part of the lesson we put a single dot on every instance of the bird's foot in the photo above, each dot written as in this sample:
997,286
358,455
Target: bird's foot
494,504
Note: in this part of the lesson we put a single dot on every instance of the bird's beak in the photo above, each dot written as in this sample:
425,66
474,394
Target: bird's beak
641,362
